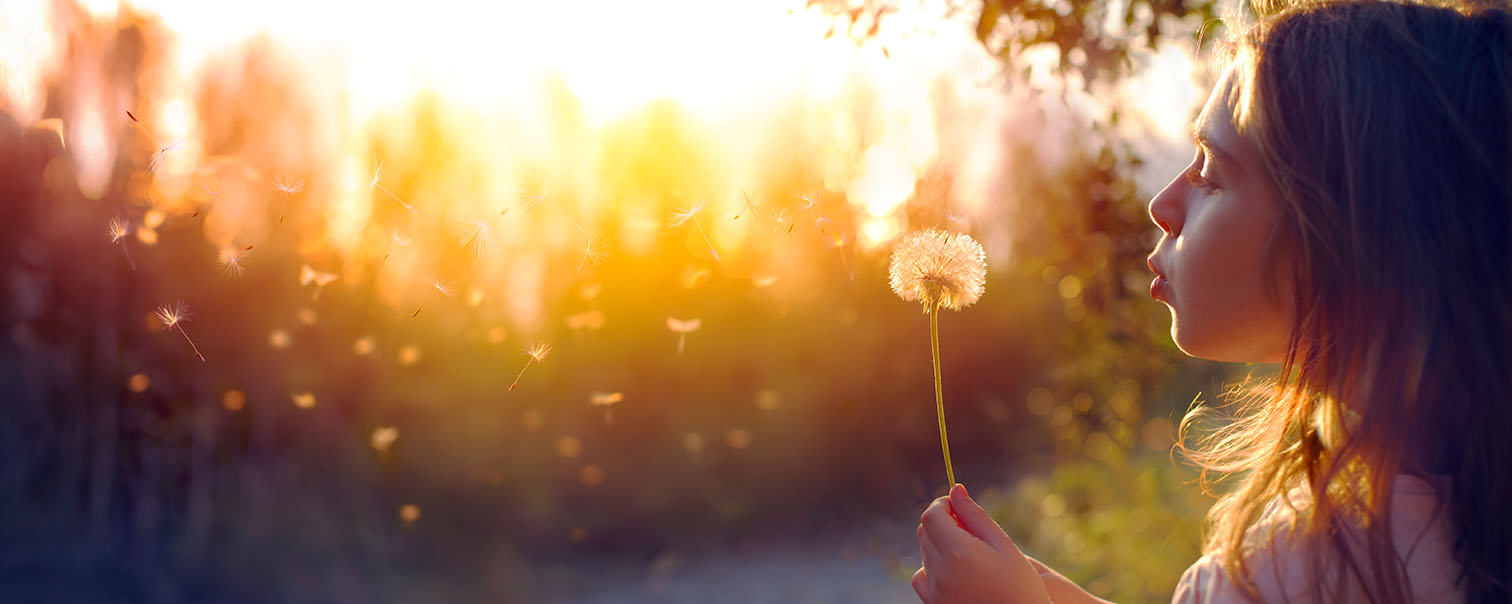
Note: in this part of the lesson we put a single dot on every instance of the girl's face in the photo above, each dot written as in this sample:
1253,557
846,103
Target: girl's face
1210,265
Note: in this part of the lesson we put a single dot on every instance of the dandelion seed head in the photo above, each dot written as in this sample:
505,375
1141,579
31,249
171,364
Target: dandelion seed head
118,229
538,351
289,187
938,269
684,325
170,315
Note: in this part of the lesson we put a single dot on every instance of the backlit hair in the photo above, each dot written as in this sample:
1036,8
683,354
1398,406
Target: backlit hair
1386,128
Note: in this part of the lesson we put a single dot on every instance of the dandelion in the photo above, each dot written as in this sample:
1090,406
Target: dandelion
690,212
374,184
479,235
174,316
938,269
119,229
683,327
532,189
607,400
229,258
287,188
595,251
536,351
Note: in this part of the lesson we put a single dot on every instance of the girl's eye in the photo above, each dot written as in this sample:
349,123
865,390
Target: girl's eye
1194,176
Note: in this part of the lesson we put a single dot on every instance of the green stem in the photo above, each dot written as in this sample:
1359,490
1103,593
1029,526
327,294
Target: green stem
934,347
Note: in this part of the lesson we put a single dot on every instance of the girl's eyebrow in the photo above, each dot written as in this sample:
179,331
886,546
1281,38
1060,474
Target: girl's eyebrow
1206,142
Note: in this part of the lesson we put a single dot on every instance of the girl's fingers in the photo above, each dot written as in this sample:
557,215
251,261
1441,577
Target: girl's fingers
927,547
920,584
976,520
940,525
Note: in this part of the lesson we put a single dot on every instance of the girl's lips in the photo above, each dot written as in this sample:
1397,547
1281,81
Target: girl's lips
1158,287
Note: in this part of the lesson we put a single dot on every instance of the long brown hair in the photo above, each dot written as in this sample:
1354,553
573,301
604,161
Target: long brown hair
1386,128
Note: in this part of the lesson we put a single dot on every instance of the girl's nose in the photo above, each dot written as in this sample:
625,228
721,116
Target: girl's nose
1166,209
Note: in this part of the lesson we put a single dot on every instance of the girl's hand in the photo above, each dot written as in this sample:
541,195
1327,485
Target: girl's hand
968,557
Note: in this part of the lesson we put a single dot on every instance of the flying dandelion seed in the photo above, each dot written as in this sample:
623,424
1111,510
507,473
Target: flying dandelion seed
590,291
479,235
409,355
690,212
532,190
746,205
596,250
396,240
383,437
409,513
938,269
174,316
308,275
229,260
607,400
287,188
156,160
763,280
443,287
536,351
374,184
782,219
961,221
497,335
683,327
278,338
303,400
306,315
119,229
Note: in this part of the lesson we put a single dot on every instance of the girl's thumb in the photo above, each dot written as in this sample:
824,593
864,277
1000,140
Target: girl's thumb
976,520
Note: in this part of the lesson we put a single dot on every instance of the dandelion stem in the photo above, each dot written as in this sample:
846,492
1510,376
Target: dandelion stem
522,374
191,343
706,239
934,347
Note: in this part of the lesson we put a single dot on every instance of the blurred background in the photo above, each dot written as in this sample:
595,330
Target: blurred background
581,302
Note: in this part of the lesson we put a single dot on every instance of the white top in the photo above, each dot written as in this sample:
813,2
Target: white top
1420,529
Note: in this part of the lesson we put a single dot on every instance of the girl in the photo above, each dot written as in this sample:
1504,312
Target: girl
1348,216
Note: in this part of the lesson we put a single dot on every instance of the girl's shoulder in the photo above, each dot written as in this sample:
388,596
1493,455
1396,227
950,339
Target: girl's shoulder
1284,563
